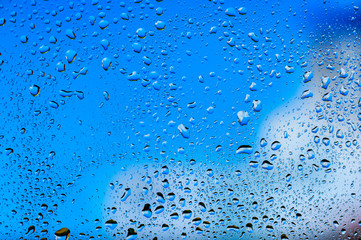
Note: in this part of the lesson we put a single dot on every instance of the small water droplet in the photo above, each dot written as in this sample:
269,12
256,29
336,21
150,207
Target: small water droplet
34,90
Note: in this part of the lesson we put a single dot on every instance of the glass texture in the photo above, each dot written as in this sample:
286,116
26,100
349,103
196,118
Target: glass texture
180,119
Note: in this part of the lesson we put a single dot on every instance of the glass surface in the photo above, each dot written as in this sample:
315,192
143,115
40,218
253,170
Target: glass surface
180,119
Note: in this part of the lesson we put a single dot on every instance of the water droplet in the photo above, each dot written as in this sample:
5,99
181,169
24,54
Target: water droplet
24,39
132,234
103,24
253,36
307,76
306,94
243,117
276,145
106,63
60,66
159,11
325,163
141,33
70,34
325,82
31,230
112,224
267,165
184,131
242,10
106,96
231,12
70,55
284,237
34,90
9,151
257,105
137,47
147,60
289,69
105,44
44,49
160,25
134,76
187,214
263,142
249,227
147,211
53,104
62,234
247,149
126,194
2,22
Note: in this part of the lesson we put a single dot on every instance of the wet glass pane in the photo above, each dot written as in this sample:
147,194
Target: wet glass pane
179,119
